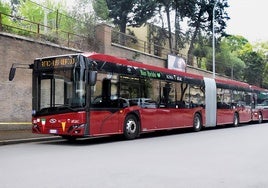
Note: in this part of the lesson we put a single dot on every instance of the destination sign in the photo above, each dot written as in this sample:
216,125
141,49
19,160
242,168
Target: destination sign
57,62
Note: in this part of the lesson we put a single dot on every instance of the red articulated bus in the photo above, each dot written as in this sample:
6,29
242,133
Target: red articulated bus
91,94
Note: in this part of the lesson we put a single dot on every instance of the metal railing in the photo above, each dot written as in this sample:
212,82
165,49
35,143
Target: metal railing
24,27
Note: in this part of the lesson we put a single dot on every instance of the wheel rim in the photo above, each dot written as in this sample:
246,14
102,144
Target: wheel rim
235,120
260,118
197,122
131,127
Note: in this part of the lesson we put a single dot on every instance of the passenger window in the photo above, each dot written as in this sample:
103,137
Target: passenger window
168,95
196,96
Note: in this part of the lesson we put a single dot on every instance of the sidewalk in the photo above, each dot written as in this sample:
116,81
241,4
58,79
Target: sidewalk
21,136
18,134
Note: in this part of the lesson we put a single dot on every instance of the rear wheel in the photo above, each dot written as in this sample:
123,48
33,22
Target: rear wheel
260,117
236,120
197,124
131,127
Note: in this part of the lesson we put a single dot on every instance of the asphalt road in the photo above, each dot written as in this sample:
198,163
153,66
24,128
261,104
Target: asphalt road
229,157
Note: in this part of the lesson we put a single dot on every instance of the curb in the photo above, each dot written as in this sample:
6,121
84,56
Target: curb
27,140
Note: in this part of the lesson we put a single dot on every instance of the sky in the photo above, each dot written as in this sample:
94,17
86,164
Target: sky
248,18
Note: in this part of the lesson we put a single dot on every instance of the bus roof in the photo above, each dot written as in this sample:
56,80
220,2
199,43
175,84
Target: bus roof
259,89
127,62
225,83
58,56
232,83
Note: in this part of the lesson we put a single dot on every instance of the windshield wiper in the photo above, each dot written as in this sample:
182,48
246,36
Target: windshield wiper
62,107
58,109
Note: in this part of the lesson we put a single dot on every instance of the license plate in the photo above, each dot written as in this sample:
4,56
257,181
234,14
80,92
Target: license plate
53,131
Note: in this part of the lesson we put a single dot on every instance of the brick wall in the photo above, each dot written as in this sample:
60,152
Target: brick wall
103,37
16,96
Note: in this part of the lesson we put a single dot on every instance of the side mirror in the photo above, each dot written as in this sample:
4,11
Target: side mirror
20,66
92,76
12,73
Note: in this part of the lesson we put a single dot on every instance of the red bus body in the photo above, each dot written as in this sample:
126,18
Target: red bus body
233,105
60,124
108,123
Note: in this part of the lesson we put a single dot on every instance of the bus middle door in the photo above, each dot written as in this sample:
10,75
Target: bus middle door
165,113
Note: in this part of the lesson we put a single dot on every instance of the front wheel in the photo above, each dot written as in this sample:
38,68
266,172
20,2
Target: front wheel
131,127
197,124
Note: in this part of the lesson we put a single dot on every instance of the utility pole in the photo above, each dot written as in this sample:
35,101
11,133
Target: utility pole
213,37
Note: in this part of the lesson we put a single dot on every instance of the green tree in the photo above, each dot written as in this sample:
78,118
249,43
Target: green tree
254,70
181,8
235,42
265,76
200,20
201,50
101,9
50,13
6,9
86,20
164,12
47,14
31,11
262,49
50,19
82,11
167,5
229,63
232,46
130,12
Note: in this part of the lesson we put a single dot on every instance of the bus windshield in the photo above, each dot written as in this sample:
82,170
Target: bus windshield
61,90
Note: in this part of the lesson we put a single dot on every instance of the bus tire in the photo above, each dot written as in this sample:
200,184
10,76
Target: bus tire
131,127
260,117
236,120
197,122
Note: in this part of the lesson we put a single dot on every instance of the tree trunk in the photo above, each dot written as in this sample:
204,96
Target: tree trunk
177,30
191,47
122,28
169,30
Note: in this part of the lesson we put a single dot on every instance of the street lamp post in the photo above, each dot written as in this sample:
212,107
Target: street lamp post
213,38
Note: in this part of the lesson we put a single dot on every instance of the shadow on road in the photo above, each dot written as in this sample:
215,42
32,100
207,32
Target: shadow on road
119,138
